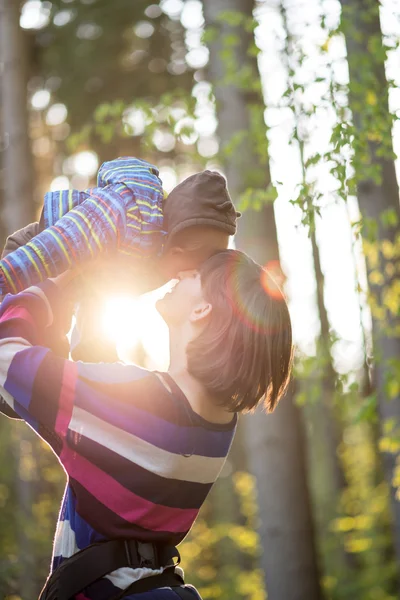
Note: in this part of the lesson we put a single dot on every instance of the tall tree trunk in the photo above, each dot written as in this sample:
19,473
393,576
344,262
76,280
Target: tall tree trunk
18,207
2,178
378,197
328,421
332,427
275,443
16,211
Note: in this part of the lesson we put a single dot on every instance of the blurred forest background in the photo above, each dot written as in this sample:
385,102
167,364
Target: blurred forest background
297,102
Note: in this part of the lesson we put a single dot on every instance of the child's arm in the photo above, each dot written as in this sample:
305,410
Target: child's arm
86,231
124,213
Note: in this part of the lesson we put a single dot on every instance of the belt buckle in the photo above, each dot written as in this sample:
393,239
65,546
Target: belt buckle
147,555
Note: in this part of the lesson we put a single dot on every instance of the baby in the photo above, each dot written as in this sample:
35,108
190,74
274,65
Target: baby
171,234
126,217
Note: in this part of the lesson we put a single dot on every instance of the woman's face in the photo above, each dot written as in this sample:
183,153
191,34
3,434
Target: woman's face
178,305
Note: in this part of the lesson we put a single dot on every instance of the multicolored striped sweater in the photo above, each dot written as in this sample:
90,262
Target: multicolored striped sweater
140,462
123,214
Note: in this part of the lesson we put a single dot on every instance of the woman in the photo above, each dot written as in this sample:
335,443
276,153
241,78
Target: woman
142,449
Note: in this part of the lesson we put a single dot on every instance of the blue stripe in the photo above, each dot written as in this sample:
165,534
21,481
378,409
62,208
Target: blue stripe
154,430
84,533
112,372
27,363
22,266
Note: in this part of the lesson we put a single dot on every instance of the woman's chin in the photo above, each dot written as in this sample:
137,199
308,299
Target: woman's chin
160,307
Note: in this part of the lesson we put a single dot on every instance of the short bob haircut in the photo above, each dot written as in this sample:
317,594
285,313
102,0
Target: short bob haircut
245,353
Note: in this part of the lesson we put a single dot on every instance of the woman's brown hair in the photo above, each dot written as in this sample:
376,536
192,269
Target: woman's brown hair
245,352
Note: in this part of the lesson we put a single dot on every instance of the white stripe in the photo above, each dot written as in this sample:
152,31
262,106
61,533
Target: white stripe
200,469
122,578
9,347
64,540
8,399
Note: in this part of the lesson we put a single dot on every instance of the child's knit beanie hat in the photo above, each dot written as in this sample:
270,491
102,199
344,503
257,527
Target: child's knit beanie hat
201,199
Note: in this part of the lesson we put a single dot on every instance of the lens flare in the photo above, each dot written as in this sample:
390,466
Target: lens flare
247,309
273,279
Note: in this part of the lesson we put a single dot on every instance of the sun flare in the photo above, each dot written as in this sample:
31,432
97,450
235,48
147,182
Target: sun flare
121,322
130,322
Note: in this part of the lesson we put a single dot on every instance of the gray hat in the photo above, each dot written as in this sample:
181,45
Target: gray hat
201,199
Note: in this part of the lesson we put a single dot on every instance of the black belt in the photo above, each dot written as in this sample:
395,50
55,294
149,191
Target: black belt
97,560
166,579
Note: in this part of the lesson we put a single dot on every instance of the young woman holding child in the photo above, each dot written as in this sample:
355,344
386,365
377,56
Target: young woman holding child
142,449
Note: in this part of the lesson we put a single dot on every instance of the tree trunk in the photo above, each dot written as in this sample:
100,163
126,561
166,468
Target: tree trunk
332,427
16,211
328,426
378,199
275,443
18,207
2,178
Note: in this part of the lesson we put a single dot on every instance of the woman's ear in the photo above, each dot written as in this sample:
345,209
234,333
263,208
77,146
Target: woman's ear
200,312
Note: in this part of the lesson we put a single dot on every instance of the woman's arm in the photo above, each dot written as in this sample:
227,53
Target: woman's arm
58,343
41,387
31,376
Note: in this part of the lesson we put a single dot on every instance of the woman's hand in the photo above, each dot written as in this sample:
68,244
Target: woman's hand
112,275
70,282
65,278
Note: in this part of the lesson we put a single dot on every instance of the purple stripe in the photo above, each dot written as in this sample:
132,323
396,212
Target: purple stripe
26,362
112,372
84,533
24,414
159,432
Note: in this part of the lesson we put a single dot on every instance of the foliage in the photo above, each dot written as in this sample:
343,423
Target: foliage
201,549
25,458
102,49
356,140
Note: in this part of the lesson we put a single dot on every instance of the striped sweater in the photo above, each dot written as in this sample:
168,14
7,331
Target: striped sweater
140,462
123,214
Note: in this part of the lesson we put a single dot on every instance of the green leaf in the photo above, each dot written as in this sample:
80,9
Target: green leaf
256,199
389,218
234,18
367,411
210,35
101,112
